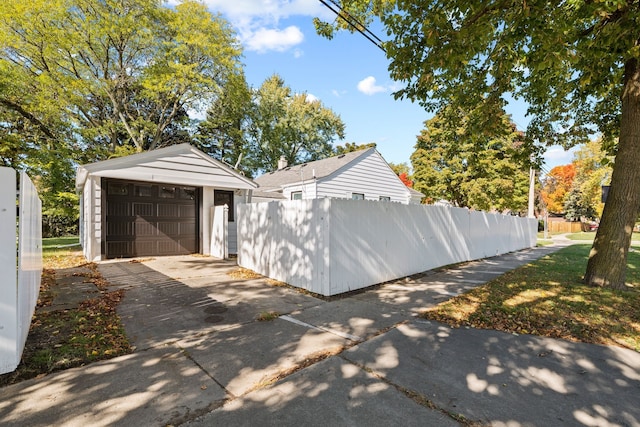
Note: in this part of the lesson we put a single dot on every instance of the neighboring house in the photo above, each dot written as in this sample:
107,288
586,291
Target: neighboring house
158,202
361,175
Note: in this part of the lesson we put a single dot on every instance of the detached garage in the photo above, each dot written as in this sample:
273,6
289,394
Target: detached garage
159,202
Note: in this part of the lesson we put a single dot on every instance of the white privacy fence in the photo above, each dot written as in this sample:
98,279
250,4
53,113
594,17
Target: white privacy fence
220,232
20,263
331,246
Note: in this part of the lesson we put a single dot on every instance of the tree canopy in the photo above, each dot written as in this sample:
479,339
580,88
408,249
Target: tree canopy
487,170
576,189
593,170
223,134
284,123
556,186
349,147
84,79
576,63
116,72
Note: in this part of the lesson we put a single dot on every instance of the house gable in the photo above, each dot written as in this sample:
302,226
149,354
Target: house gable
369,175
363,172
180,164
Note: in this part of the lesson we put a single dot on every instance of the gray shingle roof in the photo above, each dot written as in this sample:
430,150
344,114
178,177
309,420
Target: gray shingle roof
305,171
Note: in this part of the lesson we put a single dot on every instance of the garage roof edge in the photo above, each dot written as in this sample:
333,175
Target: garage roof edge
84,171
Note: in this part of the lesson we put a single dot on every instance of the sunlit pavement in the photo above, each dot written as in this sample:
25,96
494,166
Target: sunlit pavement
203,358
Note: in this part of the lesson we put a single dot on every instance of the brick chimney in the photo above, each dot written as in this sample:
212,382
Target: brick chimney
282,163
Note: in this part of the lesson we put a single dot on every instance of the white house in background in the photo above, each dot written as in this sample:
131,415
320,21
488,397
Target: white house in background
360,175
159,202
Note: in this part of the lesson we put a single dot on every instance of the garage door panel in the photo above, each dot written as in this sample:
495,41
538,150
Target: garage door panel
168,210
189,245
119,228
187,211
169,228
145,219
118,249
145,229
119,208
168,247
143,209
188,228
144,247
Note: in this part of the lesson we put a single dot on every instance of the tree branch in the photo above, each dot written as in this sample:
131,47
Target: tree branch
27,115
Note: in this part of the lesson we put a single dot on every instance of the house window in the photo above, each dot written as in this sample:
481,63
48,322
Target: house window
296,195
187,193
224,197
142,190
117,189
357,196
385,198
167,192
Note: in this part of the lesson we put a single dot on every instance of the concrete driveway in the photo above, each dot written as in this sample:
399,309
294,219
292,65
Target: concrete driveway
203,358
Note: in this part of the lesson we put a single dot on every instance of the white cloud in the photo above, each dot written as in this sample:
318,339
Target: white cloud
368,86
557,156
264,39
312,98
338,93
267,10
258,21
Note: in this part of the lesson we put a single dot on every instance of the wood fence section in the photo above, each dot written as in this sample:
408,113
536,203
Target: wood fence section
20,262
331,246
565,227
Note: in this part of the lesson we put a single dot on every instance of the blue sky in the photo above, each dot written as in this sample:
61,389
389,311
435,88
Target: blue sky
347,74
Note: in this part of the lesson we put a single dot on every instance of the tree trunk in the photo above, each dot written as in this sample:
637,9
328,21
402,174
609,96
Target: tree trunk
608,258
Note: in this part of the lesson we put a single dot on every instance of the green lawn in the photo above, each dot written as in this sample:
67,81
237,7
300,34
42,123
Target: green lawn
53,244
548,298
583,235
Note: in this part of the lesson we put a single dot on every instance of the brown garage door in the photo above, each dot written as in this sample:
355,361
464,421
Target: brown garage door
144,219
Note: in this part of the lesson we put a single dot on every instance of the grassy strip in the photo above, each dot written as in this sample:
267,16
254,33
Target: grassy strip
548,298
64,339
583,235
51,244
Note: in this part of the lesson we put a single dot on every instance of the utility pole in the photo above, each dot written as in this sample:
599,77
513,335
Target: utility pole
532,179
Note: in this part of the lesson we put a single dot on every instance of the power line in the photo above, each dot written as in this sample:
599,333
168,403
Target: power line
353,23
360,24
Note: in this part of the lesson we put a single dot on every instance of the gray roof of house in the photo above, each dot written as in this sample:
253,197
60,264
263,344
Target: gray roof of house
415,192
276,195
305,171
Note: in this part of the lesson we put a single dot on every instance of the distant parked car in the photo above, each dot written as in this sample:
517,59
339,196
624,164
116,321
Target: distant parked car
593,226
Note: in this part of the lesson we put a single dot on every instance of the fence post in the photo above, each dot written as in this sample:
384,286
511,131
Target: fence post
8,264
220,232
29,256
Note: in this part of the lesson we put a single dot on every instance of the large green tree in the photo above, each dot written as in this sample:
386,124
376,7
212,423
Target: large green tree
576,63
223,134
481,169
120,72
85,79
284,123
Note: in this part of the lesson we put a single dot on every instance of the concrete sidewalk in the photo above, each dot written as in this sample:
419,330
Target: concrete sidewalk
203,358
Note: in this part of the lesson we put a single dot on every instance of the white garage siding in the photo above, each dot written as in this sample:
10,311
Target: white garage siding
91,219
180,165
